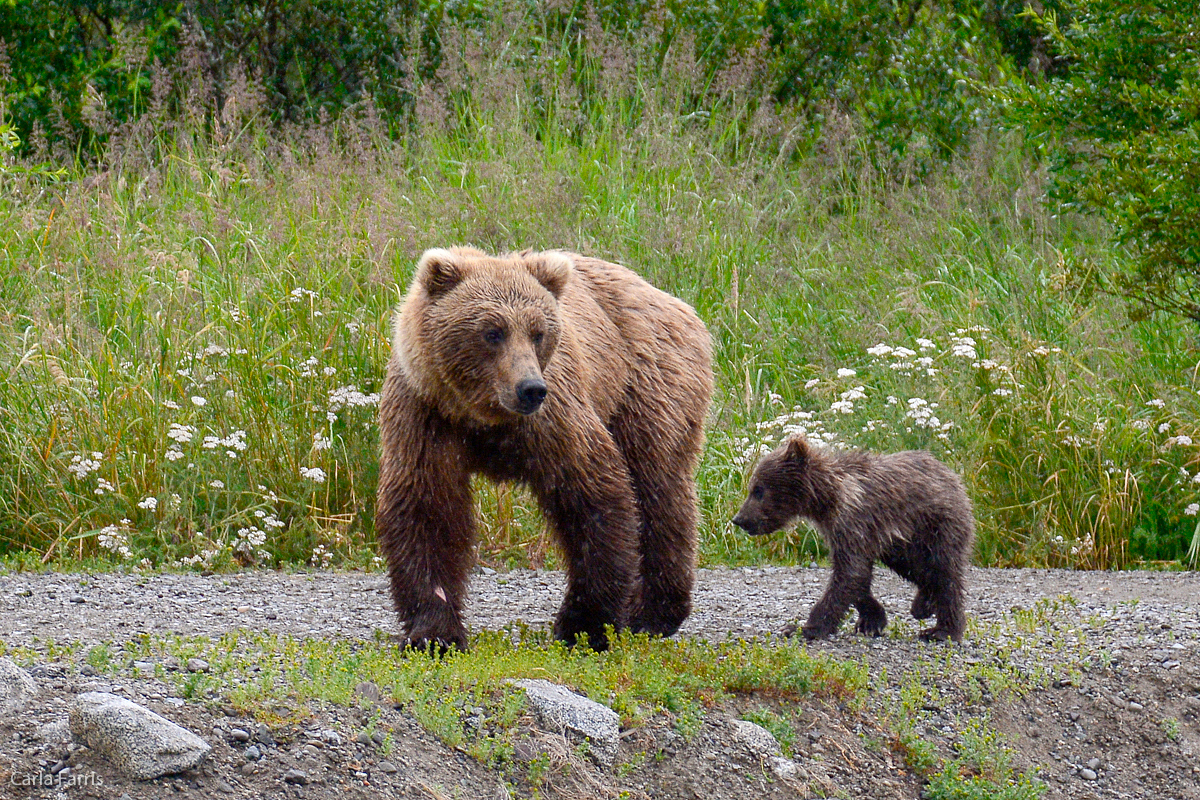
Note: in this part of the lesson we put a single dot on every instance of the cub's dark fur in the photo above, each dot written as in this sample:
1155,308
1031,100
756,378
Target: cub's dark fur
906,509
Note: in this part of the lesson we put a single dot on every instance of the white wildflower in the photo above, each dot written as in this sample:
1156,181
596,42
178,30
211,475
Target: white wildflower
925,344
181,433
846,373
963,347
809,384
217,484
1002,392
104,487
314,474
879,350
321,442
1192,510
171,404
1156,403
842,407
148,503
1140,424
81,466
199,402
857,393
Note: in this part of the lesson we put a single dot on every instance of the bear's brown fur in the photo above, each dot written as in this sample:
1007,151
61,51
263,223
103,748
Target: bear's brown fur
566,373
906,509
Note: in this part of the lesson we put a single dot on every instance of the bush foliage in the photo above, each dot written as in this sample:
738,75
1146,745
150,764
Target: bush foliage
1121,125
196,314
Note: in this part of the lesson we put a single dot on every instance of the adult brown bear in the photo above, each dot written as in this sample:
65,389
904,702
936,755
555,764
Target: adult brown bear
568,374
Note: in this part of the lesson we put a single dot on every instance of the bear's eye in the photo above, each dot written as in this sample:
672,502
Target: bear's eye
756,493
537,338
493,336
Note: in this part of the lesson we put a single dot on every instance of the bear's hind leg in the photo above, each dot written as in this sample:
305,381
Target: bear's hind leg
921,607
947,601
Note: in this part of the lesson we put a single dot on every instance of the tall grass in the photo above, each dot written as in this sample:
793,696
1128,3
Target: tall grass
194,329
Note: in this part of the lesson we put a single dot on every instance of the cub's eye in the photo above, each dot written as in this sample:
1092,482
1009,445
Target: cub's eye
537,339
493,336
756,493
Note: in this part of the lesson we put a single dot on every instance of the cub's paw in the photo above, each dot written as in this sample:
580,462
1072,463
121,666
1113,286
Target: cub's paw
938,634
922,608
812,632
869,625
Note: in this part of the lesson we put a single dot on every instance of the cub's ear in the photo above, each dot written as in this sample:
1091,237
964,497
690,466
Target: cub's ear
795,448
439,271
551,269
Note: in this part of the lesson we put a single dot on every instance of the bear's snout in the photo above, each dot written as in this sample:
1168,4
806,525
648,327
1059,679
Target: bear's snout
531,392
745,524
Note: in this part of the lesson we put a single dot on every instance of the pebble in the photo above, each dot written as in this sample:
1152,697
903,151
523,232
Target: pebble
197,665
1134,706
263,735
253,753
332,737
388,767
239,735
296,776
367,690
1093,763
1087,774
78,599
363,737
222,786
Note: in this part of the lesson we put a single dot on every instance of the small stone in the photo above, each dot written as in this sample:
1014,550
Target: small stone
78,599
1087,774
264,736
197,665
88,671
249,768
331,737
1073,716
144,666
239,735
25,593
363,738
1135,706
296,776
368,691
1093,763
222,786
310,751
388,767
269,615
253,753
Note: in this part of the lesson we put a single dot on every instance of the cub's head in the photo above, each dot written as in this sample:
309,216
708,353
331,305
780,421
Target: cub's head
787,483
475,332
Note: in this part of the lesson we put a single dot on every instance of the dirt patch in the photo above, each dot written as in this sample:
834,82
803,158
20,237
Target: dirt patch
1091,679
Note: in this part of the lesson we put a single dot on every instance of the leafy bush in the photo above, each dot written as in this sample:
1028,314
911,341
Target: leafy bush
1122,127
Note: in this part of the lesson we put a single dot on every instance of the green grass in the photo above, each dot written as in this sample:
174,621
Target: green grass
180,326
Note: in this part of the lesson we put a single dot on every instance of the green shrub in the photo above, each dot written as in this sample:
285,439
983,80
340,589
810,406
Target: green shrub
1122,128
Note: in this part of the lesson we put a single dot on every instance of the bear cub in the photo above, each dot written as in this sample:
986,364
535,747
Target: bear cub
905,509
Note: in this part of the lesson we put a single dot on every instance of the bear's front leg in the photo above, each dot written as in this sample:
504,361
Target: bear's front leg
848,584
588,500
424,519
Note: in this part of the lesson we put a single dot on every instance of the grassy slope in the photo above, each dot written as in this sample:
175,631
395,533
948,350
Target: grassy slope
242,284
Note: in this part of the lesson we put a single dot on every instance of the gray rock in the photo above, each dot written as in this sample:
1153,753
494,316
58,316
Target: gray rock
56,732
1087,774
1093,763
139,742
263,735
783,767
239,735
560,709
16,687
368,691
757,739
388,767
331,737
296,776
197,665
253,753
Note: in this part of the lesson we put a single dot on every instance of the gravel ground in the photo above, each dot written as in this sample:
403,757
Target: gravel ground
1121,717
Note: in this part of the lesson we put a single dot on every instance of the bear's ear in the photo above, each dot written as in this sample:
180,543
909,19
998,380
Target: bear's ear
795,448
551,269
439,271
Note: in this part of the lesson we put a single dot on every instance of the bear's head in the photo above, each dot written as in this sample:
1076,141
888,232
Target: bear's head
476,332
791,481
